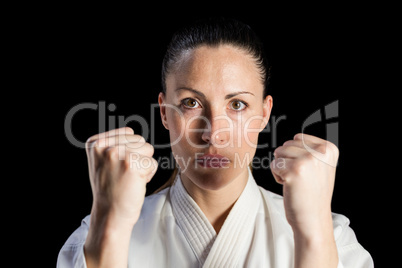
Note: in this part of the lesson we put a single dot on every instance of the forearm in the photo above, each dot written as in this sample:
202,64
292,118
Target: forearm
107,244
317,250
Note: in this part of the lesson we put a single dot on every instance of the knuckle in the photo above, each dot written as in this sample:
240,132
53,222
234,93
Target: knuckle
278,165
111,153
90,143
286,142
308,157
134,138
94,146
101,143
291,143
321,148
127,164
141,139
132,161
129,130
278,149
333,148
91,139
150,149
145,148
299,167
135,141
141,166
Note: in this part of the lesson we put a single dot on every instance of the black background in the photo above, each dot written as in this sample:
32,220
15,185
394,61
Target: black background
96,54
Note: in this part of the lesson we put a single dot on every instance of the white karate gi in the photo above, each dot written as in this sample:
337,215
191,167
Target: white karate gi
172,231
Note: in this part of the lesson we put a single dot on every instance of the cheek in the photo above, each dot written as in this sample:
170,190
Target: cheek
176,125
180,136
249,133
252,135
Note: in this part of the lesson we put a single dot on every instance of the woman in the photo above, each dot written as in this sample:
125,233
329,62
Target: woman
211,213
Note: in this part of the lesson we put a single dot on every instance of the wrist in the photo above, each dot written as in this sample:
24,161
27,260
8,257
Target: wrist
108,248
315,252
314,228
315,248
313,241
107,217
108,240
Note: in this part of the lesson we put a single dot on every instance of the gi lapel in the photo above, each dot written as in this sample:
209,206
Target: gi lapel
212,250
195,226
237,227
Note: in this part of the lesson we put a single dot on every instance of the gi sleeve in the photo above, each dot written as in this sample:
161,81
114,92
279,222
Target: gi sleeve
351,254
71,254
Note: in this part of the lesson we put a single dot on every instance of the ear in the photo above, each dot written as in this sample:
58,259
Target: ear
161,101
266,111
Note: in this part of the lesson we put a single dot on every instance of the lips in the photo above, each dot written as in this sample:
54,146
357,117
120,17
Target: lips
212,161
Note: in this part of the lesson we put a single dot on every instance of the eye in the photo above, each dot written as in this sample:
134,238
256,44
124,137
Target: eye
190,103
238,105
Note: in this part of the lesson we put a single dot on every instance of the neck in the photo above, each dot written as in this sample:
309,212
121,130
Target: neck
216,204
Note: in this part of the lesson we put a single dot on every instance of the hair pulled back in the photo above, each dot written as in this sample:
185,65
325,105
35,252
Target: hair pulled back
214,32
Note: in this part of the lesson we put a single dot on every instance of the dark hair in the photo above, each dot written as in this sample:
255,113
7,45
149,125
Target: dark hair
215,32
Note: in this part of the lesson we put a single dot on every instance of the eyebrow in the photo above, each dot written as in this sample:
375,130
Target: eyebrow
192,90
228,96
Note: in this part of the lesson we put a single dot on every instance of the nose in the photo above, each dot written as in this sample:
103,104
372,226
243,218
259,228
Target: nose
217,130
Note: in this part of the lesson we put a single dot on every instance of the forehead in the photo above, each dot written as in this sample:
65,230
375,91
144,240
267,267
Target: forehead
219,69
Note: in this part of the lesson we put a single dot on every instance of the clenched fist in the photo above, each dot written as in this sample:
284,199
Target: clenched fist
305,166
120,165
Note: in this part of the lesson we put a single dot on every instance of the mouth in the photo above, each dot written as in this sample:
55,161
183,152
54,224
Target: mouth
212,161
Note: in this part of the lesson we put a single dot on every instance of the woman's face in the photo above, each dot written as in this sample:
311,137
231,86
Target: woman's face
214,110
